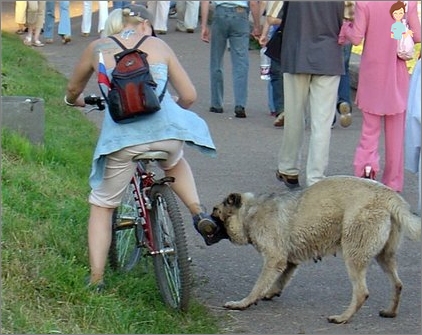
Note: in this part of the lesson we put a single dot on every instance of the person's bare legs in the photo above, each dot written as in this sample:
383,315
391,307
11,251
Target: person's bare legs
37,32
99,240
184,185
185,188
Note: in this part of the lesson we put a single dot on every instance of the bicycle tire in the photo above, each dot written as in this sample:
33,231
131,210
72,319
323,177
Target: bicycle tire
171,264
124,253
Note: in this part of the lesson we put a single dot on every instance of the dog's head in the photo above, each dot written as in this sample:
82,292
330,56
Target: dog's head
226,215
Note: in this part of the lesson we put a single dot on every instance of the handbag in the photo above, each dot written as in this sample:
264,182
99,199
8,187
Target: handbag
405,45
274,44
406,48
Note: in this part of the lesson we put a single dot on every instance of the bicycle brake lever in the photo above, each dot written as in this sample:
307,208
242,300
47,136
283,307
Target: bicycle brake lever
90,110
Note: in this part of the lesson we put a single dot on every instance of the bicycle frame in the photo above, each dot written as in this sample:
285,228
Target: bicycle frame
155,220
157,227
143,202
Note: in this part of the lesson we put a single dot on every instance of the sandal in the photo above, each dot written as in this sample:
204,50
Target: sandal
27,41
38,44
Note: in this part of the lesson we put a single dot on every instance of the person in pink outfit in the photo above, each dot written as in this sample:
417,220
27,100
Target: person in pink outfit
382,89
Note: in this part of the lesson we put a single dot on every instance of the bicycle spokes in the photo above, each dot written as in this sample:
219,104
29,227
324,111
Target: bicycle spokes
171,262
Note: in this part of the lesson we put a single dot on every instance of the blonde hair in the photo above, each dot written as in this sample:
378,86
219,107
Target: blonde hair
120,18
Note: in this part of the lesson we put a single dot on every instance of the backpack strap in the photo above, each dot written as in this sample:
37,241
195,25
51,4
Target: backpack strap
140,42
120,44
161,96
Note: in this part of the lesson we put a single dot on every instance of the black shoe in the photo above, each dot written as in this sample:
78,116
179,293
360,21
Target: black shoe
218,110
209,230
239,111
97,287
289,181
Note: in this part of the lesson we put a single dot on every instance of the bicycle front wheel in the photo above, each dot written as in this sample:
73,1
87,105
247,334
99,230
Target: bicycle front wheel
171,262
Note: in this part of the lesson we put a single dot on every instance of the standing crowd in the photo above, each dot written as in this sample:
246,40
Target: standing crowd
309,86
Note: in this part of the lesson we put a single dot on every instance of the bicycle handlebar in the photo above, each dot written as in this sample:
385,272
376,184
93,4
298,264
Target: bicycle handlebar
93,99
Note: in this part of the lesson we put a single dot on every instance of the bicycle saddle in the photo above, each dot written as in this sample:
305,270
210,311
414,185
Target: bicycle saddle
151,155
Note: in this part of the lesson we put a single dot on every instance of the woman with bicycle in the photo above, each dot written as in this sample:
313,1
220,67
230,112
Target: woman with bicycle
167,130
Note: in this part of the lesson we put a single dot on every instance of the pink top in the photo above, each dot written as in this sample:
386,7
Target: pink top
383,77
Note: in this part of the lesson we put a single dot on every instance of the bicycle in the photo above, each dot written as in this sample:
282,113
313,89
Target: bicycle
149,223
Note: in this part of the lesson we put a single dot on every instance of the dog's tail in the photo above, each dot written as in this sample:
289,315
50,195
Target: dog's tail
410,223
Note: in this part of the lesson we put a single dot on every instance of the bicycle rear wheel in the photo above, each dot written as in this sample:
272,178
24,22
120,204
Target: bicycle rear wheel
171,263
124,252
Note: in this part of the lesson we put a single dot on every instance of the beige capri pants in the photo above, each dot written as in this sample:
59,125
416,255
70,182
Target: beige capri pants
119,169
35,14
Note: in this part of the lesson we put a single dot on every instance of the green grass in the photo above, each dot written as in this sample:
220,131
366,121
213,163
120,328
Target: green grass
44,218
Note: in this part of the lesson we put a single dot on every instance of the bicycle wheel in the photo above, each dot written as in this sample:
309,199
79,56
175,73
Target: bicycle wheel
124,252
171,263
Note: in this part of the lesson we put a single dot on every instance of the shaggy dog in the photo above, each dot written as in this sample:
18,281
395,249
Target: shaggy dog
359,217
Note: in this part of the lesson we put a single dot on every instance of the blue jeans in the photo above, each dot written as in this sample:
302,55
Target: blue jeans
277,87
344,86
232,24
64,27
120,4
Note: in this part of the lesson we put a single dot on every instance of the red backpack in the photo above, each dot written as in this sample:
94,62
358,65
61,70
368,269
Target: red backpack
131,93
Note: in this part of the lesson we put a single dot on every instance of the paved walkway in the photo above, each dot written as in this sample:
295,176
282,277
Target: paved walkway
247,156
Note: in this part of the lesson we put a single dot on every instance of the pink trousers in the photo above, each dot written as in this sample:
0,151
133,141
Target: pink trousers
367,151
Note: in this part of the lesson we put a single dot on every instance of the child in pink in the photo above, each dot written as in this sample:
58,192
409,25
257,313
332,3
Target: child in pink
382,88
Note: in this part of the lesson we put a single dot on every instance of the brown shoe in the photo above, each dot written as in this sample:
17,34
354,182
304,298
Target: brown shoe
279,121
289,181
66,39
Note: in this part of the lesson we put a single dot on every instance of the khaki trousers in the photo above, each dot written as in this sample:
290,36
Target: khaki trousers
318,93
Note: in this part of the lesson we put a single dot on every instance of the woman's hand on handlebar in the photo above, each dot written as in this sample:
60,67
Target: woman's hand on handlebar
79,102
96,101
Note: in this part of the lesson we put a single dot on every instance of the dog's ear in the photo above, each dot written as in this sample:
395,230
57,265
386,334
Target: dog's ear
234,199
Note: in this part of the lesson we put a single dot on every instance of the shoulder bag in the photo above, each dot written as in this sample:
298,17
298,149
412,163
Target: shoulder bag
274,44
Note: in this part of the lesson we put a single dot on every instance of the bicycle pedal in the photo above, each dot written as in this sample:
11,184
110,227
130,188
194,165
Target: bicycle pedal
125,224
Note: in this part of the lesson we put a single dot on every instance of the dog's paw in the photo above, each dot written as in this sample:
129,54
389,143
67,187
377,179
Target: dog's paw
387,314
238,305
338,319
270,296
